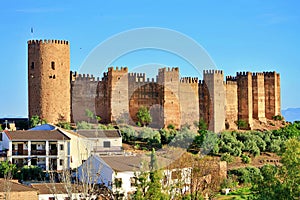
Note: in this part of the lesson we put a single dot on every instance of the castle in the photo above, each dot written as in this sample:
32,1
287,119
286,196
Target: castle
56,94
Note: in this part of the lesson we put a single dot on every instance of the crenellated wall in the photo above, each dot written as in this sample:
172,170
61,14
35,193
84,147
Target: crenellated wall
55,94
83,90
48,79
189,100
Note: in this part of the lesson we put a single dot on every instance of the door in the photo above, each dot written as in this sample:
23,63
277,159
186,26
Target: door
20,149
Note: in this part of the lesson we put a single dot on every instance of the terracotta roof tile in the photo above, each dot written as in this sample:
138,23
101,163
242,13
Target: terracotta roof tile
94,133
15,187
37,135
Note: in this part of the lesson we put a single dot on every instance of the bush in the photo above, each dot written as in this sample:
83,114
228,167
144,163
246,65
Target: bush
242,124
227,157
149,135
246,175
277,118
171,126
84,125
128,134
246,159
64,125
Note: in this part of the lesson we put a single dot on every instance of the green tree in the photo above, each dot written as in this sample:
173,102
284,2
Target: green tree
36,120
89,114
6,168
281,182
291,167
143,116
155,188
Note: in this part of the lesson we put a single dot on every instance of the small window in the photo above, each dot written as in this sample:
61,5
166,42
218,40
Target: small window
32,65
61,147
133,181
118,182
51,198
53,65
61,162
106,144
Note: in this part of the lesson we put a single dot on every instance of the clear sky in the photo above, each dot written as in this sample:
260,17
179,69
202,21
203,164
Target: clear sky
240,35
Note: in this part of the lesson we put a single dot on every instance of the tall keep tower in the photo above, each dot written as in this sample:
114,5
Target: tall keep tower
214,81
49,79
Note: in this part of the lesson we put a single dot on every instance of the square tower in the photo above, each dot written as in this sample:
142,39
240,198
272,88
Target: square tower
214,80
245,106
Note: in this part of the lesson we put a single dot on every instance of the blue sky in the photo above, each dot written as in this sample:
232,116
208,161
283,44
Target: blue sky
238,35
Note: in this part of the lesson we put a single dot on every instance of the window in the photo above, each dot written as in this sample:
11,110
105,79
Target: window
61,162
106,144
118,182
51,198
53,65
61,147
133,181
32,65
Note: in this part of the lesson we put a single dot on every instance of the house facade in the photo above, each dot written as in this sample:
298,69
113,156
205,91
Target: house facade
47,149
119,172
102,141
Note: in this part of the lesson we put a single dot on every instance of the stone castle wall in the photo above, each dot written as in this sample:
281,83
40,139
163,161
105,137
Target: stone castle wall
83,90
245,106
258,96
48,79
231,102
272,91
56,95
214,80
189,100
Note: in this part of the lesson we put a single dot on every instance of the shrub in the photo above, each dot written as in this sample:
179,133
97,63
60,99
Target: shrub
277,118
242,124
84,125
171,126
227,157
246,159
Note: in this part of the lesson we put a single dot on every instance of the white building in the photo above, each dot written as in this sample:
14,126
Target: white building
48,149
102,141
119,173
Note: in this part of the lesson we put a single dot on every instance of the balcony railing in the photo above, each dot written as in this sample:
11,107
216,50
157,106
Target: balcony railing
19,152
38,152
53,152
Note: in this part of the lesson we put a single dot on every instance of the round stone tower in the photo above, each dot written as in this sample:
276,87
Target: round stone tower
49,80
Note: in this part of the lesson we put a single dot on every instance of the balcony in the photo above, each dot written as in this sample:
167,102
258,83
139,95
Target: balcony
53,152
38,152
20,152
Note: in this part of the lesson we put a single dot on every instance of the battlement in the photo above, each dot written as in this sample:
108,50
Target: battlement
230,78
87,77
122,69
258,74
138,75
168,69
189,80
206,72
269,73
243,73
38,42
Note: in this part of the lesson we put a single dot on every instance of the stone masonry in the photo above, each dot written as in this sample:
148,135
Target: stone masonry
55,94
